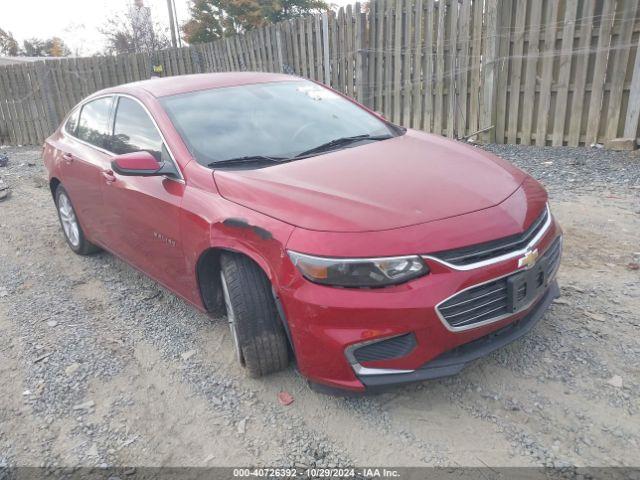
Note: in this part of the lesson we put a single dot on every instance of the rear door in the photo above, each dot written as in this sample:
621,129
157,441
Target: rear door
84,158
143,213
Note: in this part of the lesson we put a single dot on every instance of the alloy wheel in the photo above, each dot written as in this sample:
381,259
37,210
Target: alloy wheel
69,220
231,318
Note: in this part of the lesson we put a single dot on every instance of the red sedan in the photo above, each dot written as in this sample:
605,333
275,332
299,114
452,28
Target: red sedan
371,254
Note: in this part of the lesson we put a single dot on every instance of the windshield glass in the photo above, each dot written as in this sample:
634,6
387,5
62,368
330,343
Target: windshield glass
269,119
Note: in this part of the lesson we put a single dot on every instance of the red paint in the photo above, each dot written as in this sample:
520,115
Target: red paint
285,398
136,161
413,194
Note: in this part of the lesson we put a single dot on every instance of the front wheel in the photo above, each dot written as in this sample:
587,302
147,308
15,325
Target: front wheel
71,226
258,335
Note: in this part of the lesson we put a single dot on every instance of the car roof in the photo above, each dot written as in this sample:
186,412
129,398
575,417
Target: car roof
162,87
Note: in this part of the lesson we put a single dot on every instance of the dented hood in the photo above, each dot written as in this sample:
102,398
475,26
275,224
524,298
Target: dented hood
407,180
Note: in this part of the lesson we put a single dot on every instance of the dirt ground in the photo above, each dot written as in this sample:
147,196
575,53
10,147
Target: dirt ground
101,366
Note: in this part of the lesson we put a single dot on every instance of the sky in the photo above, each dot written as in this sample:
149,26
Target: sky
77,21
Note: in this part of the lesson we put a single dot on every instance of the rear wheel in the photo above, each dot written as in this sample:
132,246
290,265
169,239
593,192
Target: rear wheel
259,338
71,226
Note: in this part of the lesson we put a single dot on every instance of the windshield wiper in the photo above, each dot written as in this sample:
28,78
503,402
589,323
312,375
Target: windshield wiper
342,141
229,162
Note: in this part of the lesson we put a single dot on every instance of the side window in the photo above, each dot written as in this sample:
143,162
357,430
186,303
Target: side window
72,122
134,130
93,126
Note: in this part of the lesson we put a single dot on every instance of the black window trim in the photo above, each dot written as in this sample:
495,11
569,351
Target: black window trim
112,118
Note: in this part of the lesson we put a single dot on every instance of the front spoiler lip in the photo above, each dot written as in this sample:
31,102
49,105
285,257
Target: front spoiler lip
450,363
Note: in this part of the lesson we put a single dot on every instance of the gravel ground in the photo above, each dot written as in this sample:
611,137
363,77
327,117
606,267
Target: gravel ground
101,366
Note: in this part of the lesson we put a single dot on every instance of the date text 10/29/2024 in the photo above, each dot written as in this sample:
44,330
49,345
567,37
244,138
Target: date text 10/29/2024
316,473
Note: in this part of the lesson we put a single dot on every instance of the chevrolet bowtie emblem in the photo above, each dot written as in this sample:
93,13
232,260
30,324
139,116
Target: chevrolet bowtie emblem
529,259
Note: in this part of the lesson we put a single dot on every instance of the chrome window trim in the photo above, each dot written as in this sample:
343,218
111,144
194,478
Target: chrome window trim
351,259
112,121
359,369
501,317
500,258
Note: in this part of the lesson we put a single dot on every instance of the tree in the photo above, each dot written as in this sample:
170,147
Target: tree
213,19
51,47
8,44
57,48
133,31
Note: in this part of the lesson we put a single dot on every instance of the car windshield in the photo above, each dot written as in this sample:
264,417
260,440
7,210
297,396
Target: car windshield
276,120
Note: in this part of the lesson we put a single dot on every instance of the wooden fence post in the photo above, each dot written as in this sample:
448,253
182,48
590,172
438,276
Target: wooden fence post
361,55
325,48
43,73
279,48
620,61
503,63
633,109
489,69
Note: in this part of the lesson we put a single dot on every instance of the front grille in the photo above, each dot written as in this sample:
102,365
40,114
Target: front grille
503,296
495,248
391,348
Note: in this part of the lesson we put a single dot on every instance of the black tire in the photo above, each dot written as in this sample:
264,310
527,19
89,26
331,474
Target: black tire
260,340
81,246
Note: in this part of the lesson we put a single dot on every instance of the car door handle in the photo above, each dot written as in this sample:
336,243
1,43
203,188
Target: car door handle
67,157
109,176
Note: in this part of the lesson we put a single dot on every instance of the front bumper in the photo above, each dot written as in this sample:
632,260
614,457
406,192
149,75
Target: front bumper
452,362
325,322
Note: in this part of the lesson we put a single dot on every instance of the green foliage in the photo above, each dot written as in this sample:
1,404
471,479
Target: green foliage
38,47
8,44
213,19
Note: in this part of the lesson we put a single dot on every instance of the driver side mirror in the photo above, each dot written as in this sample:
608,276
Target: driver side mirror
140,164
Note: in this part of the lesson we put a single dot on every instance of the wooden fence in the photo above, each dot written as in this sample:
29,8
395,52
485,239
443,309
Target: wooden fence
544,72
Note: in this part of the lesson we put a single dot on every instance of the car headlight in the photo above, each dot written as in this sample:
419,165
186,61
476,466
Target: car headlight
359,272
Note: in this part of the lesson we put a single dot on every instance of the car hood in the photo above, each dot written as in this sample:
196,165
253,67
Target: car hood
407,180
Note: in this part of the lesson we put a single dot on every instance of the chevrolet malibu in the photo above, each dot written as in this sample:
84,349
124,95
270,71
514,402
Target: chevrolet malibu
371,254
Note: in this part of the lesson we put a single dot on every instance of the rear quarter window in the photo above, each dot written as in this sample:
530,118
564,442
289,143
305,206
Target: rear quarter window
93,125
72,122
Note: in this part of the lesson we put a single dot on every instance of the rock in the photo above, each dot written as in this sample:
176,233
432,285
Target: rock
84,406
129,441
633,266
4,190
285,398
187,355
40,182
4,159
242,426
52,323
93,451
615,381
43,357
621,144
71,369
596,316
